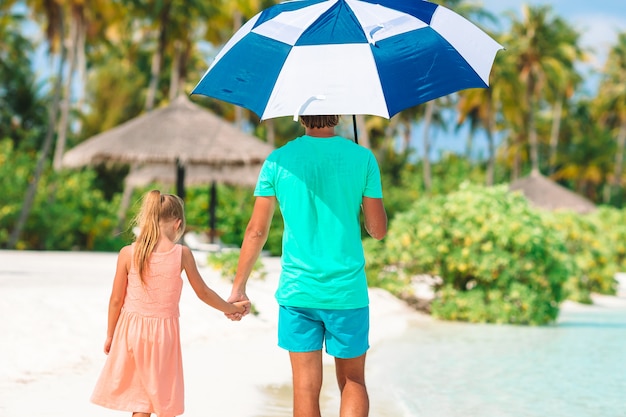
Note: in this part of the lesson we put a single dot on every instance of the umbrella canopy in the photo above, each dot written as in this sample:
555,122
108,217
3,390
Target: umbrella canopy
544,193
181,132
377,57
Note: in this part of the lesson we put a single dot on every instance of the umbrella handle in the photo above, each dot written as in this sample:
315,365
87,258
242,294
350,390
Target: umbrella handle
304,105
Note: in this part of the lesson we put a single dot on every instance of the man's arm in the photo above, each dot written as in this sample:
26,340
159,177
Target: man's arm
375,217
253,241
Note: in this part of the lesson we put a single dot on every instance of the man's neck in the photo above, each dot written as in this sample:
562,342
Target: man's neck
320,132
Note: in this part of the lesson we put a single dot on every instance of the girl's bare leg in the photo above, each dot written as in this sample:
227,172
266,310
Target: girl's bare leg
141,414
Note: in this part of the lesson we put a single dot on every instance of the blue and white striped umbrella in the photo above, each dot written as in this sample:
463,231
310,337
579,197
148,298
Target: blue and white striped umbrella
376,57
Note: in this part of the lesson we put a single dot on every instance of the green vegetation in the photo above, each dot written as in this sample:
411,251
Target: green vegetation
226,263
69,213
496,259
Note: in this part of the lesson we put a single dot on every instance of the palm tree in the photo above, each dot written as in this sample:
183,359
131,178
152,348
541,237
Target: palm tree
477,107
540,52
611,104
54,34
475,13
564,82
586,155
22,114
86,19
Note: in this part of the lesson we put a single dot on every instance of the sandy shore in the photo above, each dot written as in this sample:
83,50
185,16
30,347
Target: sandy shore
53,322
53,310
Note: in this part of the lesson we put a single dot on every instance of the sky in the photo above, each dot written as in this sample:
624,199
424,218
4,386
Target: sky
598,21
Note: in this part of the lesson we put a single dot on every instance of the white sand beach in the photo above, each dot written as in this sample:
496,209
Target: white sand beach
53,323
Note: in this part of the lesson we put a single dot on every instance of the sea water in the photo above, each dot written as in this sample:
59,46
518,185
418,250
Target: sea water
574,368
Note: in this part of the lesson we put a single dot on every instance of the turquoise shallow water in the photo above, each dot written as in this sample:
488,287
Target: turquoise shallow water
574,368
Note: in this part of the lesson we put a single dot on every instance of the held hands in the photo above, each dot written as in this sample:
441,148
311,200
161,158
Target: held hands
241,301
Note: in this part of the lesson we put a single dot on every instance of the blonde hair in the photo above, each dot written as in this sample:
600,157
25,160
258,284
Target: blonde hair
156,207
320,121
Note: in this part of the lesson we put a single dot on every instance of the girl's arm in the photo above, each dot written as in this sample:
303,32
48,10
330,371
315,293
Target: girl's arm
118,293
203,292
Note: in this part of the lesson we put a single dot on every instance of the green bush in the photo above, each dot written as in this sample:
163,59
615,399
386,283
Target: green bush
233,211
68,211
497,261
226,263
586,245
611,223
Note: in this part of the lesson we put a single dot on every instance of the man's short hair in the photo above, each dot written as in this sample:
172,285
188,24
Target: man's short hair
320,121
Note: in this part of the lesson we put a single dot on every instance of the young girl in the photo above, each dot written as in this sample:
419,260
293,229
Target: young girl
143,372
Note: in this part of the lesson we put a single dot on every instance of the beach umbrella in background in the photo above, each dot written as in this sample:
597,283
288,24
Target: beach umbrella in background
546,194
348,57
181,135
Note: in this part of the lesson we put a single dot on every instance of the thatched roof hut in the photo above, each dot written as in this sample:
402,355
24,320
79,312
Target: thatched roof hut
181,132
197,146
544,193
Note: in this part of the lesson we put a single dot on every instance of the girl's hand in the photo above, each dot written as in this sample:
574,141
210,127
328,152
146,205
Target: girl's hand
107,344
243,308
244,305
238,299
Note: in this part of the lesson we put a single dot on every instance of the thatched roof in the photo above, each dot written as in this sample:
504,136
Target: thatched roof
544,193
194,175
181,131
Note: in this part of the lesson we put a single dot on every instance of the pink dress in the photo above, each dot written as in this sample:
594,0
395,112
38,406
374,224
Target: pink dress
143,371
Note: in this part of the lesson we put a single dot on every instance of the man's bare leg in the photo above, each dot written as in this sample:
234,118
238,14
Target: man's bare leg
351,379
307,372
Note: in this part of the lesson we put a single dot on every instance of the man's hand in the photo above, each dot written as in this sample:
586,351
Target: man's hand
236,298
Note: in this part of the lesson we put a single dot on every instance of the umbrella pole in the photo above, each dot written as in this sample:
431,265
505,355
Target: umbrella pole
356,136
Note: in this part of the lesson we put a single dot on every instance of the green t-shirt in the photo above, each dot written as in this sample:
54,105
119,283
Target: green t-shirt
320,184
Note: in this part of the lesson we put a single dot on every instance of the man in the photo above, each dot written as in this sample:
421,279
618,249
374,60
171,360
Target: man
321,182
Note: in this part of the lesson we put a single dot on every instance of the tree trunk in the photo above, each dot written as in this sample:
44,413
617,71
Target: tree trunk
619,159
67,91
155,69
364,137
175,74
469,143
554,134
270,132
81,63
29,198
532,138
428,116
125,202
491,149
517,157
157,58
406,136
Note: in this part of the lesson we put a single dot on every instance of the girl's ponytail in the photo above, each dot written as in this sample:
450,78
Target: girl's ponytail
148,222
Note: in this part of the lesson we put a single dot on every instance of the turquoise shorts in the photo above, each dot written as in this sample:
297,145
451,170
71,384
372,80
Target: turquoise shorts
345,332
